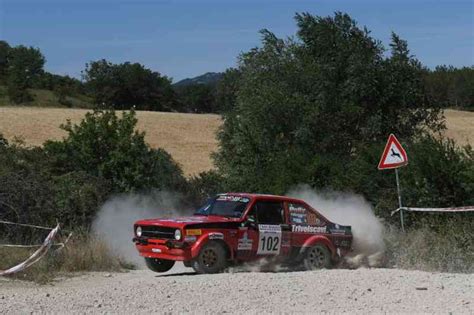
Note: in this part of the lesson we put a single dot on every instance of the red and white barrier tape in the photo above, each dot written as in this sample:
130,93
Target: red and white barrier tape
453,209
37,255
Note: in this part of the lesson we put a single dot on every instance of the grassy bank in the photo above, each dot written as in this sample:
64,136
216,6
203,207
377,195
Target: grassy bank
47,98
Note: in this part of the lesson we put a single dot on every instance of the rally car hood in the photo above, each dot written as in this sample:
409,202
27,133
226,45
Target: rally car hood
184,221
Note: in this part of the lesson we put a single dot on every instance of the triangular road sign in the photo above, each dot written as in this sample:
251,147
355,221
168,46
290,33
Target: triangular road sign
393,155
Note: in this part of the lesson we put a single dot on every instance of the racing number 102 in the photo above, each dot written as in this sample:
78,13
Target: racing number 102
269,243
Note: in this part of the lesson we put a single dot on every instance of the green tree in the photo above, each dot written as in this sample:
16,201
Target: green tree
226,90
307,105
451,87
197,98
109,147
25,67
4,52
127,85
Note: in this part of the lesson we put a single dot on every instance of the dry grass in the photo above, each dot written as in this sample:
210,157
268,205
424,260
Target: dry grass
460,126
189,138
83,253
451,250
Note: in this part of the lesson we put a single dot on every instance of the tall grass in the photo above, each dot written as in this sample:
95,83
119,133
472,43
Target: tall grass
82,253
449,249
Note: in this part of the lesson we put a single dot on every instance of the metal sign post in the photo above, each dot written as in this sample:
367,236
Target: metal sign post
393,157
400,201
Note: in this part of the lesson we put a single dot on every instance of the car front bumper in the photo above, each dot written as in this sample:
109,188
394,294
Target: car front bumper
163,249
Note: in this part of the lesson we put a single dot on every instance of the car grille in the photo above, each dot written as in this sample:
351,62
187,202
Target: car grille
152,231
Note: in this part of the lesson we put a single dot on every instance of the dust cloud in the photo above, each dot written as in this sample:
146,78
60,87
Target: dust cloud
353,210
114,221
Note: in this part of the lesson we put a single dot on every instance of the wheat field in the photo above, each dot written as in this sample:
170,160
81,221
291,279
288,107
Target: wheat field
189,138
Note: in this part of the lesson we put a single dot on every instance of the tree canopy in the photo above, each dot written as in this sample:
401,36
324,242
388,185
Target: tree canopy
127,85
306,104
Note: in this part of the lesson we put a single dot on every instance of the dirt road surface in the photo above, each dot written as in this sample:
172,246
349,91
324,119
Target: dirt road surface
359,291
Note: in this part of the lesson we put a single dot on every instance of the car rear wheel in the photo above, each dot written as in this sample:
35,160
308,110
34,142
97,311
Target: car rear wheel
159,265
317,257
211,259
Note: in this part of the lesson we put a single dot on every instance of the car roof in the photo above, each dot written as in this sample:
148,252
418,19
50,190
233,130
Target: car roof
263,196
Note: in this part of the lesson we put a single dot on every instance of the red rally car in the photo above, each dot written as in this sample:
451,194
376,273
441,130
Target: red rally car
240,227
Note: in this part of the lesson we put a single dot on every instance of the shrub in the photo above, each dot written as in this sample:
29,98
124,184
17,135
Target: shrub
109,147
31,192
439,174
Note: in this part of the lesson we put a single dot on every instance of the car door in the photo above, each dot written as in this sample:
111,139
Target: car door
268,234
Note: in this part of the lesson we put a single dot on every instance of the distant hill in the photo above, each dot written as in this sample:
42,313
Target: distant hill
209,78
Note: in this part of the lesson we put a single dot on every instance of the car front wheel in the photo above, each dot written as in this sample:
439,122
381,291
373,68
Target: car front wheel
317,257
211,259
159,265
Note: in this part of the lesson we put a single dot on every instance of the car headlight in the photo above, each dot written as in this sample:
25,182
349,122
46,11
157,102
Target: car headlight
138,231
177,234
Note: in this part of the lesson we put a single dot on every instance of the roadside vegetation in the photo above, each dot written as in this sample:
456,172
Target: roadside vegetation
315,109
83,252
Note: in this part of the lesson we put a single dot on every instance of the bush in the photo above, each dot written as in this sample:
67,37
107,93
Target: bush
109,147
439,174
33,193
69,180
78,196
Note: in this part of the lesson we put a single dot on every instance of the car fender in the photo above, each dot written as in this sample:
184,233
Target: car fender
211,236
317,239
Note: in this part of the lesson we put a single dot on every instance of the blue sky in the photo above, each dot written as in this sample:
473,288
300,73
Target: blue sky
187,38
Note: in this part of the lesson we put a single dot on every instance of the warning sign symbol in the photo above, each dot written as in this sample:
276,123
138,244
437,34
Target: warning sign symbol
393,155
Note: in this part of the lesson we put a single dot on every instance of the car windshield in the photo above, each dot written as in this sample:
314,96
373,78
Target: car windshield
224,205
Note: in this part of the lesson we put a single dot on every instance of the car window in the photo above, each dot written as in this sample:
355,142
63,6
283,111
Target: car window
269,212
300,214
225,205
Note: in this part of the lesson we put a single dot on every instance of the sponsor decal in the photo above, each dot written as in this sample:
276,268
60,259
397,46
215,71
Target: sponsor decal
313,219
156,250
296,208
245,243
269,228
194,232
297,220
269,239
308,229
233,198
337,229
190,238
334,231
216,236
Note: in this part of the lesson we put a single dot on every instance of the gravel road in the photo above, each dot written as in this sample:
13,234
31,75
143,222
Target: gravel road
180,290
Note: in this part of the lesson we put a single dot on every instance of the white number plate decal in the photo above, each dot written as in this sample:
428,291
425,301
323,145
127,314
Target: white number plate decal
269,239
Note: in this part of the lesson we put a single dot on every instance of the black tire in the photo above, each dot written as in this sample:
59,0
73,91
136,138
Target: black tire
317,257
159,265
211,259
